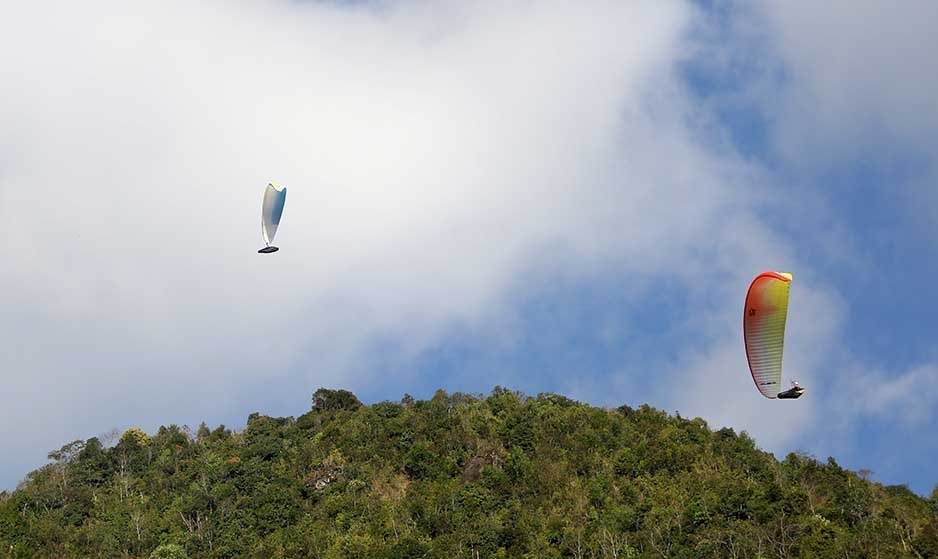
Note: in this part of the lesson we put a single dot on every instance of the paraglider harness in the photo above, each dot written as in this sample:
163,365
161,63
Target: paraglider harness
794,392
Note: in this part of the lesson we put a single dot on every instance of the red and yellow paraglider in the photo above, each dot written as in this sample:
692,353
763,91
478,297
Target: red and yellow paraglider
764,319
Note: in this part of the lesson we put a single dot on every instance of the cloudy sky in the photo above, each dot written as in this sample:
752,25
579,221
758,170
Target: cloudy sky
559,196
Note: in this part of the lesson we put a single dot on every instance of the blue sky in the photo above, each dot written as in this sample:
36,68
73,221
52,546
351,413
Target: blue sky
557,196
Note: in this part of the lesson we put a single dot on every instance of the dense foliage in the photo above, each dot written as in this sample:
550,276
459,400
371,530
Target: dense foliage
456,476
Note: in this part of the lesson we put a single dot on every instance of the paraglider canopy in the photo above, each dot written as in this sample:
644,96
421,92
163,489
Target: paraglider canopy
764,319
274,198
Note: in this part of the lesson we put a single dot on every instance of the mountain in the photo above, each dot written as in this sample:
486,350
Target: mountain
456,476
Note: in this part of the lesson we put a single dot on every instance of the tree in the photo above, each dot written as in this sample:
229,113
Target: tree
169,551
325,399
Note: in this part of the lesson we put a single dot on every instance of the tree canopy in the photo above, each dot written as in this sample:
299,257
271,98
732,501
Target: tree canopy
504,475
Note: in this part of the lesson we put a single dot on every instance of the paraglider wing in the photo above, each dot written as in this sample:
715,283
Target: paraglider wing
274,199
764,329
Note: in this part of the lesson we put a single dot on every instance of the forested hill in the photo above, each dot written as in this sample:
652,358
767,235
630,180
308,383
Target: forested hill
456,476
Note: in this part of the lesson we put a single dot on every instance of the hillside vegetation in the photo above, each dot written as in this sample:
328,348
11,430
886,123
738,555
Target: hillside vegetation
456,476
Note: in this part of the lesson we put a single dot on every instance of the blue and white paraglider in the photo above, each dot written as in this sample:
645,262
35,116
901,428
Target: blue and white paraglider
274,198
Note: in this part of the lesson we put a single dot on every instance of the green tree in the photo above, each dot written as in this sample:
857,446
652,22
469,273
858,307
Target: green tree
325,399
169,551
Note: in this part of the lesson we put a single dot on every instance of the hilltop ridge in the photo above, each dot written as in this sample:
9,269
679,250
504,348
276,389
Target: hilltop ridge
458,475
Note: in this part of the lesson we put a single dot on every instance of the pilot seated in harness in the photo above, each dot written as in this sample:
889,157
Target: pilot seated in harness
794,392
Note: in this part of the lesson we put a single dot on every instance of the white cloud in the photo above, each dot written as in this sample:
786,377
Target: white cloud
858,74
440,158
909,397
856,85
434,155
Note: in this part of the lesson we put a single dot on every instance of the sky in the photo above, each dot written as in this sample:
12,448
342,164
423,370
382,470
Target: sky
553,196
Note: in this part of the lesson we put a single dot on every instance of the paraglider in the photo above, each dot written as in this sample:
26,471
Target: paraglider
764,319
274,198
